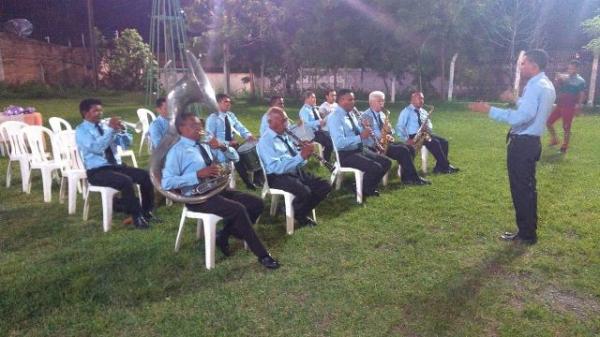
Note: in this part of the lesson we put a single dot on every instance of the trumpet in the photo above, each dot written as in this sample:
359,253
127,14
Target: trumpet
123,125
299,143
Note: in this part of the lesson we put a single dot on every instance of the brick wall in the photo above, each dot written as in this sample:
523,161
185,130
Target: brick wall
24,60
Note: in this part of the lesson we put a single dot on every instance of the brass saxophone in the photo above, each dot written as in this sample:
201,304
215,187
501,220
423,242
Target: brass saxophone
366,123
424,133
386,132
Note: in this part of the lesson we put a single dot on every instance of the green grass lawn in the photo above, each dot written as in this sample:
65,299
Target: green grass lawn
417,261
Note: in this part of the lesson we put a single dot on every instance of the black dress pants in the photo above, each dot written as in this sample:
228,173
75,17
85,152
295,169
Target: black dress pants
374,165
239,211
122,178
404,155
523,152
438,147
323,138
308,190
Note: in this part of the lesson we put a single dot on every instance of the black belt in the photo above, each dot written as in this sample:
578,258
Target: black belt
512,137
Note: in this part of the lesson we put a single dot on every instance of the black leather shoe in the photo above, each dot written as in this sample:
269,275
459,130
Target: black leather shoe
515,237
306,222
375,193
449,170
223,243
150,217
140,222
268,262
418,181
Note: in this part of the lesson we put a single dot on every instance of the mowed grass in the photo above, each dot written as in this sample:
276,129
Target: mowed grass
417,261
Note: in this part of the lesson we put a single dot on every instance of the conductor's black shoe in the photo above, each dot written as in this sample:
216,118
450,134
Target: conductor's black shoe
515,237
140,222
150,217
223,243
268,262
306,222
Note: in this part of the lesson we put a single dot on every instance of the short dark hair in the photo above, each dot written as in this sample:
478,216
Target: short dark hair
221,97
575,63
539,57
328,91
86,104
307,93
274,99
343,92
160,102
181,118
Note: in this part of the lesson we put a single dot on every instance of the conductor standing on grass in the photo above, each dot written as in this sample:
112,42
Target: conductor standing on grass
523,141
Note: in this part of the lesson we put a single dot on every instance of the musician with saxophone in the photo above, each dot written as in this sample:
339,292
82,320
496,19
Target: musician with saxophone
378,120
310,116
348,135
283,165
415,120
98,143
189,163
158,128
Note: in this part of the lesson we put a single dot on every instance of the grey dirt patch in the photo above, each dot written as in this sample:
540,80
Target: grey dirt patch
568,301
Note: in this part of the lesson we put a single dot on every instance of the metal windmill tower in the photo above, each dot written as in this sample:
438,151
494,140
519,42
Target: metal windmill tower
168,43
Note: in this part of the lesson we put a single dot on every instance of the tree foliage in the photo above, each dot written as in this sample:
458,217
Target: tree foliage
127,59
592,28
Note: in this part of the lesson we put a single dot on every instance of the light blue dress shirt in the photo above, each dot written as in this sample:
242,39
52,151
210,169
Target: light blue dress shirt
264,123
184,160
158,129
275,155
308,118
408,122
533,108
340,129
215,124
91,144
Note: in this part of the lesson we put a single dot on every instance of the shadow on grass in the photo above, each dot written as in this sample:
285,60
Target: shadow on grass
552,157
451,302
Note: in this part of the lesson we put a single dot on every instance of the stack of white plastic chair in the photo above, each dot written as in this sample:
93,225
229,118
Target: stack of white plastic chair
287,197
12,132
143,116
37,137
72,169
338,174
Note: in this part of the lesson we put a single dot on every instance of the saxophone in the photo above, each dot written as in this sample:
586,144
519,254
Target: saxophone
386,132
424,133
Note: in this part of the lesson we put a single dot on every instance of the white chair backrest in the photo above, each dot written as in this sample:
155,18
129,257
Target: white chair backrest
12,133
262,167
143,116
37,137
337,155
65,142
58,124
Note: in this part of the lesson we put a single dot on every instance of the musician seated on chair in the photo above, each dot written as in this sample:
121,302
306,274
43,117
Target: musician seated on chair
409,123
310,116
275,101
404,154
329,105
189,163
159,126
98,143
348,135
283,165
223,124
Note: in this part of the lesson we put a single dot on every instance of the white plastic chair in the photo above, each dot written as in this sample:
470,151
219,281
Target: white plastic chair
288,199
424,156
58,124
12,132
107,194
338,174
143,116
210,232
127,153
72,170
36,137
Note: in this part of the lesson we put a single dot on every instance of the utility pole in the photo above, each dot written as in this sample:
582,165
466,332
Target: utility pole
90,12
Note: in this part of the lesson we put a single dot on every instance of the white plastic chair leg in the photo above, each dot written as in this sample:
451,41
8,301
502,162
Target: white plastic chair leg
8,174
199,229
142,142
358,176
210,237
289,213
25,175
62,190
274,202
400,172
385,178
47,184
72,185
338,181
180,231
107,210
424,156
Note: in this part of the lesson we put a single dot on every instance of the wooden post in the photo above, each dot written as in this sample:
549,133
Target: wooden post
518,74
1,67
92,38
451,77
393,93
593,79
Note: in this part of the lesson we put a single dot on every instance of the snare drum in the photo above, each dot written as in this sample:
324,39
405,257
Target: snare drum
249,156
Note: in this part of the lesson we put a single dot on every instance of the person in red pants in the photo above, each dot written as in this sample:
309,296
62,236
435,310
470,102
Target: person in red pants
571,93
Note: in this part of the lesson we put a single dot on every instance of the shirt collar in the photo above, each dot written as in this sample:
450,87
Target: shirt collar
187,141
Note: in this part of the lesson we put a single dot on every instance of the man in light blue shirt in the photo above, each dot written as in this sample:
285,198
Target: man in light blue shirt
310,116
97,143
275,101
348,135
411,120
189,163
222,124
524,148
159,126
283,165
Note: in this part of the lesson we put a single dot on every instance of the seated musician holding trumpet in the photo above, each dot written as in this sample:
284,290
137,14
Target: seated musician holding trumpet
382,142
311,117
190,162
97,143
348,136
283,165
414,122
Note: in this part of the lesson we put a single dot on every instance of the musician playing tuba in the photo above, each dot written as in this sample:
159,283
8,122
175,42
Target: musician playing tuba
283,165
189,163
414,118
380,124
